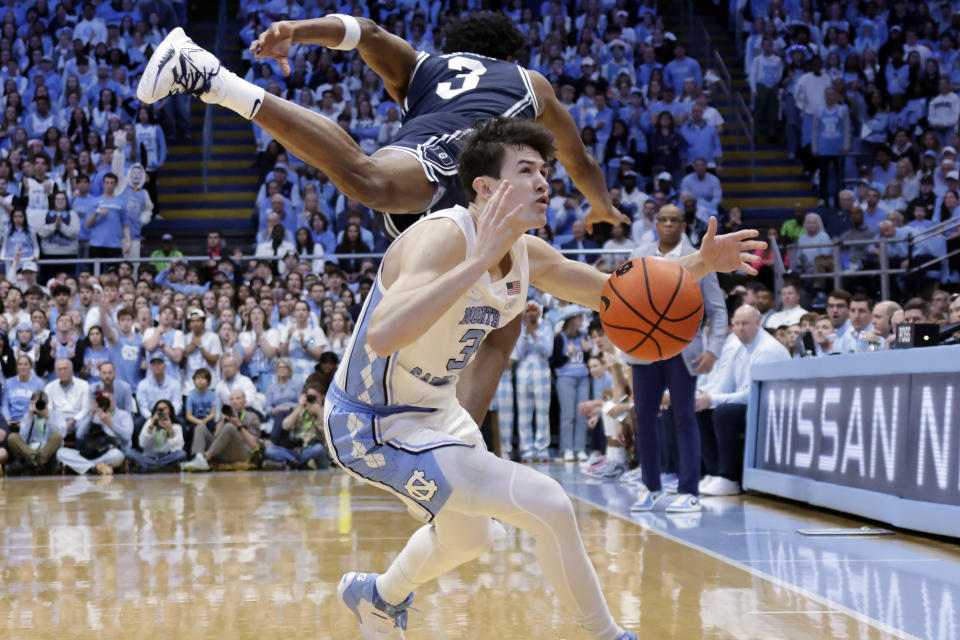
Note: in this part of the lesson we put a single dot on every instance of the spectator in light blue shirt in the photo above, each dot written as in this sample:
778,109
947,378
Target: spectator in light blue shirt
701,138
704,186
680,68
156,387
109,232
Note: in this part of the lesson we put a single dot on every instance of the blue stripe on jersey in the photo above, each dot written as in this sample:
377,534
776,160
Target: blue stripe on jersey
366,376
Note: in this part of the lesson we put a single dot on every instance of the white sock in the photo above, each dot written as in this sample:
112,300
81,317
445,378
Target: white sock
616,454
236,94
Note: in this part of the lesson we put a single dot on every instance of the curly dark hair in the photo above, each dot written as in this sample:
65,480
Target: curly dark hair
484,150
490,34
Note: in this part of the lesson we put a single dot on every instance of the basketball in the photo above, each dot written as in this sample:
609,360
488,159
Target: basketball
651,308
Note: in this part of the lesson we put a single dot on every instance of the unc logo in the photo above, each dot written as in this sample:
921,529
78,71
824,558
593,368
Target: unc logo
624,268
419,487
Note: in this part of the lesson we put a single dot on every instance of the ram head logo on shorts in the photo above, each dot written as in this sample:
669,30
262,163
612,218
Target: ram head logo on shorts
419,487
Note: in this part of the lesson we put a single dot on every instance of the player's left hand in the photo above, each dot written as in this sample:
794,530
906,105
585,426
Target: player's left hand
731,251
275,43
611,215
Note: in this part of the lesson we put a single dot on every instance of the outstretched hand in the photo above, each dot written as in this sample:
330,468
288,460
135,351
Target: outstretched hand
275,43
611,215
731,251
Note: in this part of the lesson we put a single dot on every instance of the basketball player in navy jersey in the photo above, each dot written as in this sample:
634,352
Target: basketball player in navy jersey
442,97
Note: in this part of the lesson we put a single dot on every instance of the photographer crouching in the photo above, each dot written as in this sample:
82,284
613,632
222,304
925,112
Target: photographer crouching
101,441
32,449
236,438
161,440
298,440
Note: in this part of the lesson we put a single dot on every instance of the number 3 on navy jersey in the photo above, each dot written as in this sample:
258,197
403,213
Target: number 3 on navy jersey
470,79
472,338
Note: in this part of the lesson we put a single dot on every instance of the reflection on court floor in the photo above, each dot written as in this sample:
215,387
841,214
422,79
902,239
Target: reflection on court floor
259,555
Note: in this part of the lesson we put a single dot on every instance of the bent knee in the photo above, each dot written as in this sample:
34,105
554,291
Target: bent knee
548,502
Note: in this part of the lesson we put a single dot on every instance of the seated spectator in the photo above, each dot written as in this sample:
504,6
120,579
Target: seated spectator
916,310
107,381
101,440
161,440
235,439
302,342
893,199
69,397
200,410
881,317
790,312
167,249
813,258
855,341
704,186
722,435
838,311
298,439
619,240
858,231
18,392
34,446
232,380
282,392
158,386
580,241
341,329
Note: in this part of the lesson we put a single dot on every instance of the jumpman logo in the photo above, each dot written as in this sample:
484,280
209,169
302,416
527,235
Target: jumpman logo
419,487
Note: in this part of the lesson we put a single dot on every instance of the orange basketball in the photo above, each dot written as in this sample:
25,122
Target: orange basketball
651,308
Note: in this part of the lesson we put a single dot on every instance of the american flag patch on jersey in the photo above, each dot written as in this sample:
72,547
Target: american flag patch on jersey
513,288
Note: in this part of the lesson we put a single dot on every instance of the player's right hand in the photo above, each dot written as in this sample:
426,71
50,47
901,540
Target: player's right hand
498,227
275,43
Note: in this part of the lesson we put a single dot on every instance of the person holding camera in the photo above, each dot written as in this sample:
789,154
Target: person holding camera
161,440
235,439
298,440
18,392
101,443
37,441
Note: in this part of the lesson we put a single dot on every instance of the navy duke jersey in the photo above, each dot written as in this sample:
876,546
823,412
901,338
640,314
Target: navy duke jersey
447,94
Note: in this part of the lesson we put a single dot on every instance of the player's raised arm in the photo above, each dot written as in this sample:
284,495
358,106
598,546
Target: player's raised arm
583,168
390,57
580,283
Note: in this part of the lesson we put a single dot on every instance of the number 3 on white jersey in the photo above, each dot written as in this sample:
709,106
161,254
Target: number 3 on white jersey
470,79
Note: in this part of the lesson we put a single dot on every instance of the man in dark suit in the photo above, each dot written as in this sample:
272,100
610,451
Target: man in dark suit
678,375
580,241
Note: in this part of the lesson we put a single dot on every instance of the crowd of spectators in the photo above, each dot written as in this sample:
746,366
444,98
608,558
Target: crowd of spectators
866,95
70,118
225,363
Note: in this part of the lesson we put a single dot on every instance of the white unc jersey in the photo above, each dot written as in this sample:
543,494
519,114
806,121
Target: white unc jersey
425,373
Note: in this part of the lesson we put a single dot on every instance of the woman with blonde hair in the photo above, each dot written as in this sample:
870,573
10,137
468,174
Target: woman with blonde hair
892,199
909,180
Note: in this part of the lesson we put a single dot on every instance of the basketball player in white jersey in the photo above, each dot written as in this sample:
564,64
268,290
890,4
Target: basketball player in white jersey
392,415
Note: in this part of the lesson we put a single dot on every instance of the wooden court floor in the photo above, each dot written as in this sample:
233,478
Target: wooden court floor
259,556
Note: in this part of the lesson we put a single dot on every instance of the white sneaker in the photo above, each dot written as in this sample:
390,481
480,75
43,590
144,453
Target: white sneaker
633,476
582,457
568,456
705,482
199,463
377,619
179,65
722,487
684,503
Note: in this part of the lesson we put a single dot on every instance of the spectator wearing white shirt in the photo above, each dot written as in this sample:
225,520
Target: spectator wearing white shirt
790,313
943,112
202,349
91,29
234,380
766,71
70,399
102,440
722,446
